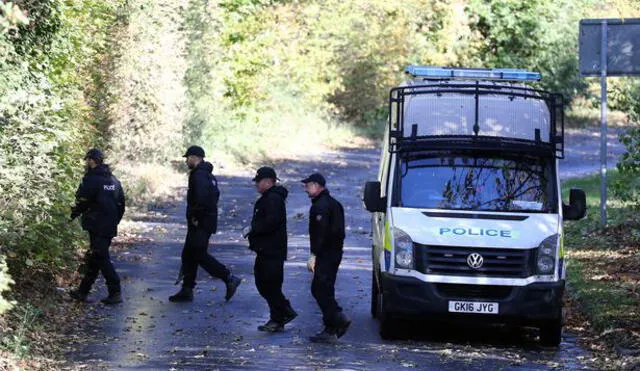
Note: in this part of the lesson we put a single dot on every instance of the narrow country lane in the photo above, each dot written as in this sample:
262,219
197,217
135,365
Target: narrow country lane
147,332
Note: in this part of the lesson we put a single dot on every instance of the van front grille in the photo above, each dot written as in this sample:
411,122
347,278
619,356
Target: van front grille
452,261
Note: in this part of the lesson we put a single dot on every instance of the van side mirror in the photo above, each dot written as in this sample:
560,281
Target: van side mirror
577,208
372,200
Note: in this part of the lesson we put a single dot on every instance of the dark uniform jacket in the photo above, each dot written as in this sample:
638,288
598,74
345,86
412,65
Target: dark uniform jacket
100,201
202,197
326,224
268,235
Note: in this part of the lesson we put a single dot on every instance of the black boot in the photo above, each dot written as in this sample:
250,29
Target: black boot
232,285
289,314
342,324
78,295
185,294
114,298
326,336
271,326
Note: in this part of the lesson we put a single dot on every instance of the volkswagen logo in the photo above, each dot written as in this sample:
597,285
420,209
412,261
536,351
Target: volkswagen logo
475,260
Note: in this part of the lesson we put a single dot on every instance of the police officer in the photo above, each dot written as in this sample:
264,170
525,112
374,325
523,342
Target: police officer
326,232
202,221
268,238
100,201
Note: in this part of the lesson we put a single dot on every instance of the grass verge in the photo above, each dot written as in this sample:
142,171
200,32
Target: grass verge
604,273
35,332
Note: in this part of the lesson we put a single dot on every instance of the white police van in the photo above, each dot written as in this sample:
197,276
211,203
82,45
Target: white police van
467,209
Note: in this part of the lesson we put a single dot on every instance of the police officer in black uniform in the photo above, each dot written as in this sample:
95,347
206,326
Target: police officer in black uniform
326,232
202,221
268,238
100,201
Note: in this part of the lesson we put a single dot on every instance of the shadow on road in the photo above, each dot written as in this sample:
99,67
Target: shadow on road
148,332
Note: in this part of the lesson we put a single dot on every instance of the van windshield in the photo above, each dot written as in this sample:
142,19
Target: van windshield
465,182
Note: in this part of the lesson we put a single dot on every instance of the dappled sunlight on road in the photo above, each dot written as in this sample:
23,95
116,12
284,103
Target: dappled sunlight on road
148,332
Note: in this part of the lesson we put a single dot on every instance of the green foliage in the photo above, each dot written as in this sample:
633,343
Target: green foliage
537,35
334,56
629,165
44,72
16,341
5,282
145,106
625,96
239,76
11,16
199,78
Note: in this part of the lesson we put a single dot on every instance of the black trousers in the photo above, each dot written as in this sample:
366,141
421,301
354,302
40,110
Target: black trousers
195,254
269,275
323,286
98,260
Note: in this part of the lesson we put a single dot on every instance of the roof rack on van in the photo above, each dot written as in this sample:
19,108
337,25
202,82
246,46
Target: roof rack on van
494,74
479,114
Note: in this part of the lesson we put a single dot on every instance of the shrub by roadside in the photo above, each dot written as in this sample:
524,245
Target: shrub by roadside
48,53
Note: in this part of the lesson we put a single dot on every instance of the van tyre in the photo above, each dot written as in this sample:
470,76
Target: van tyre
388,324
551,333
387,329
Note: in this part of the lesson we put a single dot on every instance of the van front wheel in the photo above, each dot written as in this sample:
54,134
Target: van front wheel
388,330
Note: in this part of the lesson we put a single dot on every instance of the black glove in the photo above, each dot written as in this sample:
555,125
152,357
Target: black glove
74,213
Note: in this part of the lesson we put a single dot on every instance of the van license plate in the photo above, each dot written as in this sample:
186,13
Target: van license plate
473,307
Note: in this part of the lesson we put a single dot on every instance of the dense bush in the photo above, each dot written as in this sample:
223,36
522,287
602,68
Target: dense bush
5,282
339,57
146,102
539,35
626,97
45,122
10,18
629,165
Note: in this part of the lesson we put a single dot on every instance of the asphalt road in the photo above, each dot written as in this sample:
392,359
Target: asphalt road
147,332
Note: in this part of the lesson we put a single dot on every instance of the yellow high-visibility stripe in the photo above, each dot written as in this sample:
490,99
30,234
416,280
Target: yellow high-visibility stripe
387,236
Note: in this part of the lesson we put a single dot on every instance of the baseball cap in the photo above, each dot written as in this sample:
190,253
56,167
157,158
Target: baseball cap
194,151
315,178
264,172
94,154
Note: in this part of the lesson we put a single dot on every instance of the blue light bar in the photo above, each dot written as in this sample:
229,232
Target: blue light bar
504,74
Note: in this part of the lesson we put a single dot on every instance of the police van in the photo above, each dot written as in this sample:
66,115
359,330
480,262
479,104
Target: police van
467,209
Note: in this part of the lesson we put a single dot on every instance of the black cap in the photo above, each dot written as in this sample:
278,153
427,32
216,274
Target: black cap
194,151
95,154
315,178
263,173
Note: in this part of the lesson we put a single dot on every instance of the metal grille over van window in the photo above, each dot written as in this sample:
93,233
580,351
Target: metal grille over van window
464,261
475,114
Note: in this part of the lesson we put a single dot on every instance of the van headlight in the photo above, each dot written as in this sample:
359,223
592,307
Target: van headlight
403,248
546,259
